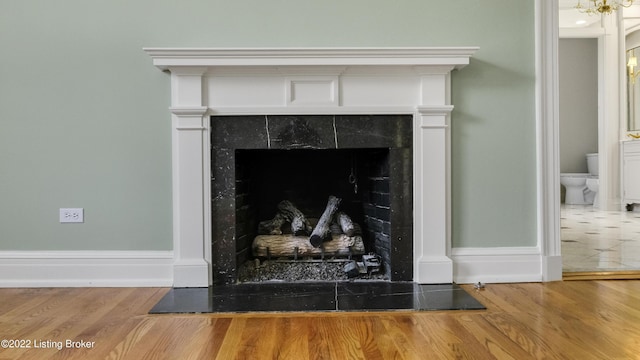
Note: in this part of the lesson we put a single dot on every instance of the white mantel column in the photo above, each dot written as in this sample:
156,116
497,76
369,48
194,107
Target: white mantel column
188,134
431,179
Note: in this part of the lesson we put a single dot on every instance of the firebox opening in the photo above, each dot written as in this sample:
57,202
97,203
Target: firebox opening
307,178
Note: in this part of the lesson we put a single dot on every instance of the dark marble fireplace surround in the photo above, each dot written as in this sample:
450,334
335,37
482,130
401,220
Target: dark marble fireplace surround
259,160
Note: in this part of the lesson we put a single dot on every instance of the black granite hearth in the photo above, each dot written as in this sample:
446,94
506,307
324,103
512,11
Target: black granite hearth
316,296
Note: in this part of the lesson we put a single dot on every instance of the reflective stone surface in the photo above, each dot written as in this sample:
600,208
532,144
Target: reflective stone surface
378,147
316,296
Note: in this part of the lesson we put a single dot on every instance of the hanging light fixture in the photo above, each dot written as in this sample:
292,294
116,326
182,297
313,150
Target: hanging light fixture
602,6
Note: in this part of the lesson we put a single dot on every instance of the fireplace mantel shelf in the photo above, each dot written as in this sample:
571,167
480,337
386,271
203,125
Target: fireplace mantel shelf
165,58
272,81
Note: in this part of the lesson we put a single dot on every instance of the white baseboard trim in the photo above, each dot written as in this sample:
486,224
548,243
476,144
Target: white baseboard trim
552,268
433,270
155,268
86,268
496,265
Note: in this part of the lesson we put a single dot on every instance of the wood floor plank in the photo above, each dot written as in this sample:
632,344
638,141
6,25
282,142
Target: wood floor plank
329,330
232,339
292,340
567,319
576,319
440,337
34,313
178,338
318,339
258,338
358,333
204,344
125,347
493,342
391,345
408,338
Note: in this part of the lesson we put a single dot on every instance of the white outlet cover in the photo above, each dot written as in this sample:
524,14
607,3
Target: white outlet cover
71,215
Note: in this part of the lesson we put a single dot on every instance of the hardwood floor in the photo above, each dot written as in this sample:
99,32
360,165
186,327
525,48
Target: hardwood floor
560,320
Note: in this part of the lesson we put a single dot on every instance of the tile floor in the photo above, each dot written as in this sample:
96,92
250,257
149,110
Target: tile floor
594,240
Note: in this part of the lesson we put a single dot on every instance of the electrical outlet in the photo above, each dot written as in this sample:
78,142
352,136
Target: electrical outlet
71,215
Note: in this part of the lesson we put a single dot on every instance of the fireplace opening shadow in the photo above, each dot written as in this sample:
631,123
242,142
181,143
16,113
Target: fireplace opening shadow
352,296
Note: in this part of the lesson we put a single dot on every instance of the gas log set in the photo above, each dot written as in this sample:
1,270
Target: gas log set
291,237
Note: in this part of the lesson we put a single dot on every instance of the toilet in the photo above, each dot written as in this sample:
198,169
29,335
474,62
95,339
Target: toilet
593,184
575,185
577,190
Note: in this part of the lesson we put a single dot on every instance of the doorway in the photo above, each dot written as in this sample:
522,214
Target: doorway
604,240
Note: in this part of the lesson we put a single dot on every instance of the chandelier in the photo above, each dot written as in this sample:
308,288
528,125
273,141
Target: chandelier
602,6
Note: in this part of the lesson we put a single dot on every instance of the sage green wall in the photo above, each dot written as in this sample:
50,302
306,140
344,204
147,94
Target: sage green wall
84,119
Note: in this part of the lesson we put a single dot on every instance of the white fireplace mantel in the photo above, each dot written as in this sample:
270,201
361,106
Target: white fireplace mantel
265,81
